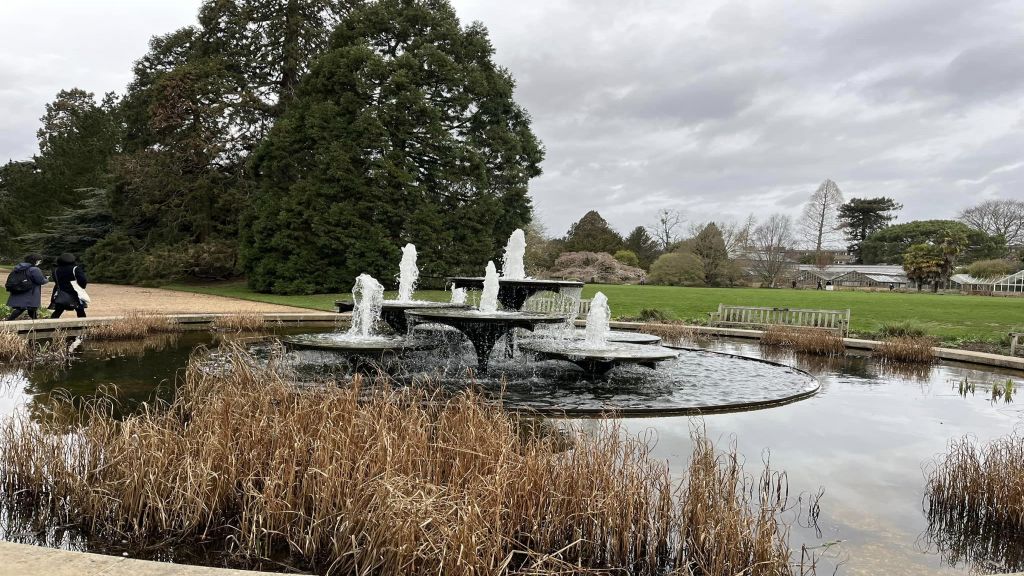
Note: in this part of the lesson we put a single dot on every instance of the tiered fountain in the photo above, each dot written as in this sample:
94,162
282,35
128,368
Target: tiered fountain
514,287
596,353
363,338
486,325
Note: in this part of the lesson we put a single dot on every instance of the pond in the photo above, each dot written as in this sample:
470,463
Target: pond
866,437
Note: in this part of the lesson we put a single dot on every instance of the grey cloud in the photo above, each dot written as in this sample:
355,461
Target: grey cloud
717,108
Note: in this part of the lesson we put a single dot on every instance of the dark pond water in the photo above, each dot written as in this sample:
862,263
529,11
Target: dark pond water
866,437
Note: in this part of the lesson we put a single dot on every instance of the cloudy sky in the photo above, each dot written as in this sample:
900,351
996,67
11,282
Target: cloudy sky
714,108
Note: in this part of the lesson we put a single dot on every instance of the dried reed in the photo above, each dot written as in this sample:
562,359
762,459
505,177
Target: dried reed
134,324
240,322
17,349
975,503
815,341
365,479
675,333
14,348
905,350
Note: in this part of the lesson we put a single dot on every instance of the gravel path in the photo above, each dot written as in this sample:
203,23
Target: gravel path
114,300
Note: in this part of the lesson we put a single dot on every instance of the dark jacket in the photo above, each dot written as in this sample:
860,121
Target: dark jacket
64,274
33,297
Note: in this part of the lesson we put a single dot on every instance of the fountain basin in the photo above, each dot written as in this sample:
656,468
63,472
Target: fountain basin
367,347
599,360
483,329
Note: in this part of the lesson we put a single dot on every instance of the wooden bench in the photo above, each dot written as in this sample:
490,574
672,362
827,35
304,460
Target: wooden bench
1016,339
547,303
837,320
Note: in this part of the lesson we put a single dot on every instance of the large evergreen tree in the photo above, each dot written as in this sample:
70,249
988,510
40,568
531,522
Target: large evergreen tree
202,99
890,244
592,233
403,131
645,247
860,217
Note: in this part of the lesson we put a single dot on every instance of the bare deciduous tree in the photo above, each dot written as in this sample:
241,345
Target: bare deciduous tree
995,217
666,230
820,219
770,242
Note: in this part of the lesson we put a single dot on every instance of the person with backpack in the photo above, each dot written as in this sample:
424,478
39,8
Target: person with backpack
67,296
25,286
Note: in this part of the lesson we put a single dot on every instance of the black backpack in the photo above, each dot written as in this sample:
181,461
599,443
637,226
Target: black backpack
19,282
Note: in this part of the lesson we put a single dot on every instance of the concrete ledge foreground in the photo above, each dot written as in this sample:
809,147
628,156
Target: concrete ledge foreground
28,560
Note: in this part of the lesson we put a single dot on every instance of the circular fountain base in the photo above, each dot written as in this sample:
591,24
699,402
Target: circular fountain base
373,346
599,360
616,336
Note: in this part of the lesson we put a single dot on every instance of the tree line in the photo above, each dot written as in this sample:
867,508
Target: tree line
987,240
299,143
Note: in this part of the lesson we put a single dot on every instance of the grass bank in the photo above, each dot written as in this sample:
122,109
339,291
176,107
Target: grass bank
949,317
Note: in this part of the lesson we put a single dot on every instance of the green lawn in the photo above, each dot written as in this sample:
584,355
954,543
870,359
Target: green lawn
947,316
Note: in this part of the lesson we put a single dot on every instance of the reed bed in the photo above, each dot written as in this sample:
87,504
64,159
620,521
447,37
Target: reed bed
240,322
974,501
902,328
134,324
905,350
17,349
675,333
366,479
814,341
14,348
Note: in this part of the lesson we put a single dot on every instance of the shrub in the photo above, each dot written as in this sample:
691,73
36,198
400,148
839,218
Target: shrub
628,257
677,269
901,328
991,268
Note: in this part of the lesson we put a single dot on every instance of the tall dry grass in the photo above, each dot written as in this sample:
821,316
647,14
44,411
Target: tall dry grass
675,333
17,349
905,350
815,341
974,501
240,322
14,348
134,324
364,479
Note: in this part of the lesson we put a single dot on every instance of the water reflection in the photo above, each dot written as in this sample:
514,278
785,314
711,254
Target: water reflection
863,439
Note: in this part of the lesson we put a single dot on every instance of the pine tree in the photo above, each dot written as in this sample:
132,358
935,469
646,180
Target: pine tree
403,131
860,217
592,233
640,243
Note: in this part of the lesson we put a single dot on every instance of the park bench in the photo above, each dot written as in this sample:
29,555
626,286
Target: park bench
1016,339
836,320
549,303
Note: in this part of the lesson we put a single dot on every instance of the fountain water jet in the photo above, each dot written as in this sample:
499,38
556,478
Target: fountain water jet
489,297
598,321
408,273
368,299
512,267
459,296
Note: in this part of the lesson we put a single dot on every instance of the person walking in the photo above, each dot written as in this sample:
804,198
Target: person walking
25,286
65,296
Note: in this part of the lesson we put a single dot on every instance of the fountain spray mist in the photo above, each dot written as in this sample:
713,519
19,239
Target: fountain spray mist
489,297
408,273
458,295
368,299
598,321
512,267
